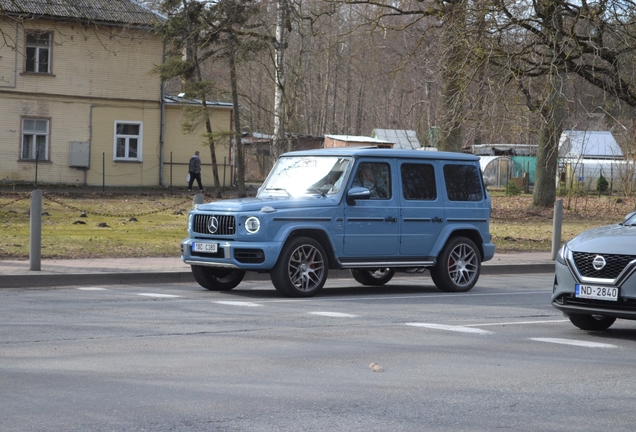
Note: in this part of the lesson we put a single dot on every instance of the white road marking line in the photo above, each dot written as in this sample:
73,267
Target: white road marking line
574,342
238,303
517,323
383,297
455,328
91,289
334,314
158,295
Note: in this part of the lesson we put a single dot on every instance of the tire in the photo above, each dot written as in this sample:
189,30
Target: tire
375,277
217,279
458,266
301,270
592,322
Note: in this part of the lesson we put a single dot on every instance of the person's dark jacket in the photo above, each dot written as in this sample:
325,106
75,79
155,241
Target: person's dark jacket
195,165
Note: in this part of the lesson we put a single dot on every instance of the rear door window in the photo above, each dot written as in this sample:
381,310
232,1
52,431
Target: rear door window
418,182
463,183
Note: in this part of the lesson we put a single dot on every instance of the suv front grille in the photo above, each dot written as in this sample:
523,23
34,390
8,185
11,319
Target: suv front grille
623,304
613,267
226,224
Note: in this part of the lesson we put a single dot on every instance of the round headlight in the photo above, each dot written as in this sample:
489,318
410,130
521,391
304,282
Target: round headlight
252,225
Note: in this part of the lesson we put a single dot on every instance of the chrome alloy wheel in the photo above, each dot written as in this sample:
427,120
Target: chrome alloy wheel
463,265
306,268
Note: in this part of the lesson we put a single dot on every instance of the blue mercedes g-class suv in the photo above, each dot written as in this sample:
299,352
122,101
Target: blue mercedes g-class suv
373,211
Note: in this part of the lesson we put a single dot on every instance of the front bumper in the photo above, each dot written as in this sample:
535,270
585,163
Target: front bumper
238,255
563,295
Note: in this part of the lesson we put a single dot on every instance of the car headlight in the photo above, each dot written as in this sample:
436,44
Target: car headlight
560,258
252,225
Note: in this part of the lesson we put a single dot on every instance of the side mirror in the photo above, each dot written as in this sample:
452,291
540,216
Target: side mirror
629,216
357,193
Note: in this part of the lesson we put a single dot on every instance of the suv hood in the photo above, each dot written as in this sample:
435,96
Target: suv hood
610,239
256,204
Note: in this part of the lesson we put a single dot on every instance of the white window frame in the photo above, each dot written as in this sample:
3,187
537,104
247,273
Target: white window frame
38,47
32,135
126,140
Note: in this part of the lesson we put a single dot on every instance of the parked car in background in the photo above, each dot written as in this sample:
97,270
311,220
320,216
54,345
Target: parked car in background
595,280
373,211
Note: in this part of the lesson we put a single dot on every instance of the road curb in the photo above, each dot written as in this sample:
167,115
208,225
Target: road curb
39,280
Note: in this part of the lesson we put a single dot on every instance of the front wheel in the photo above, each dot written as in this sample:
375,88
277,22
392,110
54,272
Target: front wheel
458,266
592,322
301,270
376,277
217,279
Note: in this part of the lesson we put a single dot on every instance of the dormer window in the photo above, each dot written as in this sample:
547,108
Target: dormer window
38,52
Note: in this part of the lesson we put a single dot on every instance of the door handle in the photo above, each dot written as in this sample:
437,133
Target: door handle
390,219
437,219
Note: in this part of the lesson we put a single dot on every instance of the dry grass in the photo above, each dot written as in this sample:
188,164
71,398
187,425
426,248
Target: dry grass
153,224
516,226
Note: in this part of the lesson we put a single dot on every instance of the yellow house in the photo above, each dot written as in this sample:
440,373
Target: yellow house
79,104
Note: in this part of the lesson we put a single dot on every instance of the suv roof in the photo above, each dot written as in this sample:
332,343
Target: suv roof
385,153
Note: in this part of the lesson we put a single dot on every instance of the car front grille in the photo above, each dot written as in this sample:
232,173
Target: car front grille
615,264
623,304
226,224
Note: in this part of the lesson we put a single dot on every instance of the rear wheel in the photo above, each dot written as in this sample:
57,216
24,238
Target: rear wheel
458,266
301,270
377,277
592,322
217,279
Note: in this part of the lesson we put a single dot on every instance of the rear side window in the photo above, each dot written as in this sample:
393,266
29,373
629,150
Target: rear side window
418,182
463,183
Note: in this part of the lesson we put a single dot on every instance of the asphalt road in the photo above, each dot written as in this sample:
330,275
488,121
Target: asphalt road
179,358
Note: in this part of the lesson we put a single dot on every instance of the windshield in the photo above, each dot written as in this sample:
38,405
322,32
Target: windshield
306,175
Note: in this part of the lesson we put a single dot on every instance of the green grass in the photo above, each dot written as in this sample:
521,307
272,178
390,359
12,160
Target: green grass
161,223
156,232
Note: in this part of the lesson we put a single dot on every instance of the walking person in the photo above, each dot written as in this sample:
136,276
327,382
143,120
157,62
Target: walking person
194,169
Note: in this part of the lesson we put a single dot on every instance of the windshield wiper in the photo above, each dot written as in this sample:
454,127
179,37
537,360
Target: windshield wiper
316,190
279,189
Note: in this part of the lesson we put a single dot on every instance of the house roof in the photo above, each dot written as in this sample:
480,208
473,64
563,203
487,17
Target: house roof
402,139
118,12
179,100
589,144
358,139
510,149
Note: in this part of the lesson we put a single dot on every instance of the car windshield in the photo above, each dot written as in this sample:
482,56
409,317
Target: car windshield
306,175
630,220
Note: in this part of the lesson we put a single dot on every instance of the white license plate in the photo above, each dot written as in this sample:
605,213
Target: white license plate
596,292
205,247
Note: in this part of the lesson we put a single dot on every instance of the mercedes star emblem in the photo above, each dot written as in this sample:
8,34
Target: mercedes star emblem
213,226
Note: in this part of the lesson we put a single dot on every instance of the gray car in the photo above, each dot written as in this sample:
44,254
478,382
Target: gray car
595,280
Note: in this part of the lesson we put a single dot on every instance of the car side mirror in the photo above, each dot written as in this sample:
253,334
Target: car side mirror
357,193
629,216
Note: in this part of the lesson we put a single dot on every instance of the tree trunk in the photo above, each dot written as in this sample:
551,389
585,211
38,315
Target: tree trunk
280,145
240,151
548,150
453,75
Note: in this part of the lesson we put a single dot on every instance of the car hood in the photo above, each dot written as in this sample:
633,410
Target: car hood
256,204
610,239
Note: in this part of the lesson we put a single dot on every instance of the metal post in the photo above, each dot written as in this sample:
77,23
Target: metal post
556,227
198,200
224,166
35,246
103,171
37,154
170,171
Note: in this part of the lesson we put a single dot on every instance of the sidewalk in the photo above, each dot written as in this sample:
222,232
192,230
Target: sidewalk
113,271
